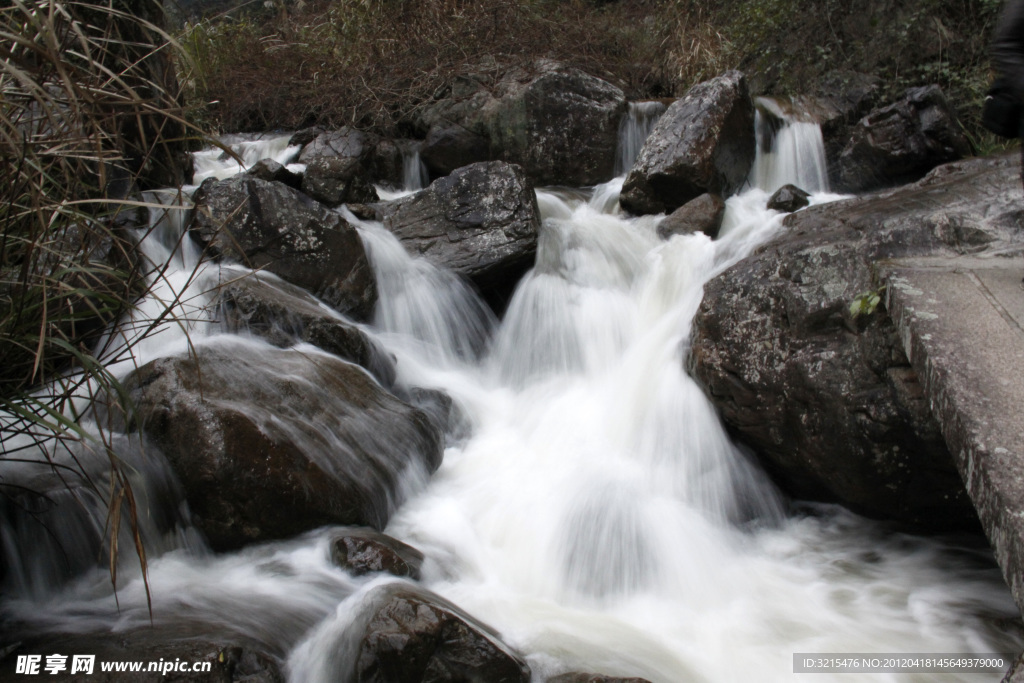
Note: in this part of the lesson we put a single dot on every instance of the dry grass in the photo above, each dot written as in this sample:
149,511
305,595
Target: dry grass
89,115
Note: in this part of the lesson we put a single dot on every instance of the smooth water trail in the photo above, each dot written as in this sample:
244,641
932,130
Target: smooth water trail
791,149
636,126
592,509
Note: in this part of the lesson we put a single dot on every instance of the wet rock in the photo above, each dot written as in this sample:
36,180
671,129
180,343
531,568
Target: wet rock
557,122
901,142
268,307
271,171
414,636
338,180
267,225
269,443
788,198
704,142
826,397
228,662
362,551
703,214
378,159
481,222
576,677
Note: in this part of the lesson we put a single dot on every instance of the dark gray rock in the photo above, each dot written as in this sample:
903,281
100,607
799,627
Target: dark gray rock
267,225
827,398
901,142
271,171
704,142
481,222
362,551
269,443
414,636
788,198
557,122
283,314
338,180
703,214
379,159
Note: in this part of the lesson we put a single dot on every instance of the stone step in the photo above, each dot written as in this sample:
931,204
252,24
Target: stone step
962,325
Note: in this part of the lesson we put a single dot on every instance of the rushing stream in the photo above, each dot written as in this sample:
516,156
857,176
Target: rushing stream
591,508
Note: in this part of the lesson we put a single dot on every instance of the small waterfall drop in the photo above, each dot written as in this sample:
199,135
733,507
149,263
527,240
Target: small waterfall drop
790,149
414,172
634,129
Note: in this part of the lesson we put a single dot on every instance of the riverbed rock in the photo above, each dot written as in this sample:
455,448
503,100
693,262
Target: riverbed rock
283,314
703,214
269,443
362,551
272,171
414,636
901,142
806,367
267,225
377,159
557,122
338,180
480,222
788,198
704,142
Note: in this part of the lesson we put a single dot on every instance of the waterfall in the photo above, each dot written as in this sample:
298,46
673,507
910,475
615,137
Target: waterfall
790,149
636,125
414,172
595,511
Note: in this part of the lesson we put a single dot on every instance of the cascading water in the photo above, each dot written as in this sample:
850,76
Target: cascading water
636,125
595,511
790,149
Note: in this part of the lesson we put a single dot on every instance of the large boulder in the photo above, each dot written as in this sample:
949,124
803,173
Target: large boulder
704,142
480,222
283,314
268,225
269,443
414,636
901,142
805,366
559,123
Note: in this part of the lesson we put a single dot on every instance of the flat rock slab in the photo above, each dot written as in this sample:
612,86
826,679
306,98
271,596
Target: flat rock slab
962,325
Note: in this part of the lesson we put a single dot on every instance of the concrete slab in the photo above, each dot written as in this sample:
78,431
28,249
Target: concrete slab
962,325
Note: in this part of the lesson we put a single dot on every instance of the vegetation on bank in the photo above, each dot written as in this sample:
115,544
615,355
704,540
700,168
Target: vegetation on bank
372,63
89,116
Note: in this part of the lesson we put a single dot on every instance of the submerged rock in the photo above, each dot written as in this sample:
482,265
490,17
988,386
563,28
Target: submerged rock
267,225
901,142
414,636
788,198
264,305
362,551
704,142
269,443
703,214
557,122
819,385
480,222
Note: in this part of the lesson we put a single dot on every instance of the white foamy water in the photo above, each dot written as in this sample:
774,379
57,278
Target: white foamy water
596,513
